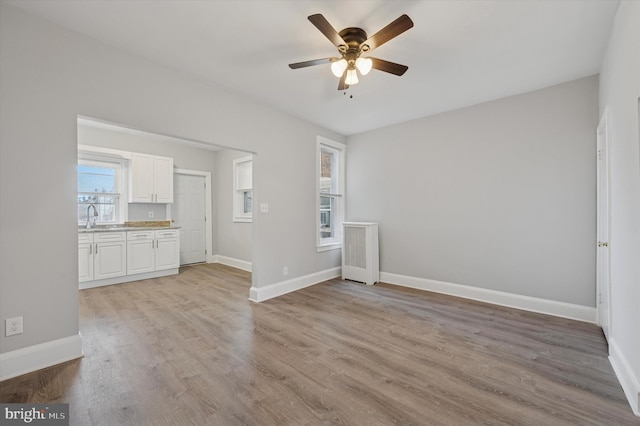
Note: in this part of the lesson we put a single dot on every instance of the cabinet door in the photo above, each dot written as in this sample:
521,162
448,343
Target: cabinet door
140,257
85,262
110,259
167,253
163,179
141,178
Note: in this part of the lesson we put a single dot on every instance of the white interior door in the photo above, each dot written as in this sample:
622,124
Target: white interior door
603,282
189,213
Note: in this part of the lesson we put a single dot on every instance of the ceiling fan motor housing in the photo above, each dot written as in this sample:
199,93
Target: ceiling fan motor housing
354,37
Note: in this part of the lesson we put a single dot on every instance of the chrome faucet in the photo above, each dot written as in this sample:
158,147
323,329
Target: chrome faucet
95,214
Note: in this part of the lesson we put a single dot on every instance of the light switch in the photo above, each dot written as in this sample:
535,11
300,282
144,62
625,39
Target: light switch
264,208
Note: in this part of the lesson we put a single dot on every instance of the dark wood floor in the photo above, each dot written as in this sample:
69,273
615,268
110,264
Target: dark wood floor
191,349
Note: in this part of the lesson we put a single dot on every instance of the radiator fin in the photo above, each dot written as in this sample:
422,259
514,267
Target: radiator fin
355,240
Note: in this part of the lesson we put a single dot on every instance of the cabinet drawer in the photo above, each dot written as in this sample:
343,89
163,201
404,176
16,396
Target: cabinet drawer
109,236
139,235
167,233
85,237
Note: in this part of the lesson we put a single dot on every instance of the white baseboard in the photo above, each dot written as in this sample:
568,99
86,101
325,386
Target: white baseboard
628,381
230,261
260,294
36,357
527,303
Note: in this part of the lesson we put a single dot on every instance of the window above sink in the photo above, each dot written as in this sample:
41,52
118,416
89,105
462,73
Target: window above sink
101,185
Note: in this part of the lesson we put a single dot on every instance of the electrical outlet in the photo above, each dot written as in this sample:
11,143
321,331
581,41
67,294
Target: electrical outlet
264,208
285,271
151,215
13,326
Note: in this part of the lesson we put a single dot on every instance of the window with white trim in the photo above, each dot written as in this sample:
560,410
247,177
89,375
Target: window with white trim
100,186
243,189
330,193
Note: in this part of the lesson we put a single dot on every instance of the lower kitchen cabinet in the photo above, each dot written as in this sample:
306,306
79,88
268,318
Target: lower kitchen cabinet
167,249
115,257
149,251
140,252
101,255
85,257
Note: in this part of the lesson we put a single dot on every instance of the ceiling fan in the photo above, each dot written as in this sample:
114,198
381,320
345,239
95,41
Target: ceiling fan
352,44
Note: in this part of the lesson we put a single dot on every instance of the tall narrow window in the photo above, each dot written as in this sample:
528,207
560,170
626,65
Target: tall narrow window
242,189
99,192
330,193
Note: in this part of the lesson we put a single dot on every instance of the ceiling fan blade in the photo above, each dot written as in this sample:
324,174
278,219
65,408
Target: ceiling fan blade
342,85
325,28
392,30
310,63
386,66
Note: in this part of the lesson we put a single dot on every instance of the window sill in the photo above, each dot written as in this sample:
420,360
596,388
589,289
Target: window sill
242,220
327,247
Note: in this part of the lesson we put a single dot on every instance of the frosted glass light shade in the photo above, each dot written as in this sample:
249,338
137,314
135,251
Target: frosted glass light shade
364,65
352,77
338,67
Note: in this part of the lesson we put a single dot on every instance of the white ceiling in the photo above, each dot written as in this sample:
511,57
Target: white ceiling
459,53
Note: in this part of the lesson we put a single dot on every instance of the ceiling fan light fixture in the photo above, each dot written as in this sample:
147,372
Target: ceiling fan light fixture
364,65
338,67
352,77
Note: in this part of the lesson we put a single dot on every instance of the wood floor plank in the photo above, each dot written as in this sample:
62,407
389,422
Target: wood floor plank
192,350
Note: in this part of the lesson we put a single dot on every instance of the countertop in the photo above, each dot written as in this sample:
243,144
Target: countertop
121,228
130,226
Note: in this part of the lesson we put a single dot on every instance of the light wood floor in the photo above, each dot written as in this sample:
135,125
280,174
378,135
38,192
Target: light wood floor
191,349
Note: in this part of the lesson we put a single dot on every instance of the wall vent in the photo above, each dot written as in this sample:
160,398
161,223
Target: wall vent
360,260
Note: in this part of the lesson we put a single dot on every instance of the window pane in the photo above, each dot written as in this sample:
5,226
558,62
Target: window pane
105,206
244,174
97,186
328,171
327,217
246,202
96,179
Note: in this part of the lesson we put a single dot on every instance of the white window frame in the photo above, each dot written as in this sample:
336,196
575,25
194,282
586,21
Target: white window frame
239,215
335,242
121,166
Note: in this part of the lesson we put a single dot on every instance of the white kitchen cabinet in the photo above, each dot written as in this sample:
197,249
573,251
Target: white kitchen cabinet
140,252
85,257
110,256
167,249
150,179
149,251
101,255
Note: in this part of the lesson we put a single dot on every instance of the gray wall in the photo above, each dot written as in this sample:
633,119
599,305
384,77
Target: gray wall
620,90
500,195
234,238
49,76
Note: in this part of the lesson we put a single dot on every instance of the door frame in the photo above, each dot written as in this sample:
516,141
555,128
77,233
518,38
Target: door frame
207,206
603,166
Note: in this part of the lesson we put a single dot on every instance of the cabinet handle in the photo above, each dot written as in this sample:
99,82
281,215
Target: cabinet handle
91,249
96,249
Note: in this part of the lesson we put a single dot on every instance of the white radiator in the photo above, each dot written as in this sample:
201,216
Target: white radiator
360,261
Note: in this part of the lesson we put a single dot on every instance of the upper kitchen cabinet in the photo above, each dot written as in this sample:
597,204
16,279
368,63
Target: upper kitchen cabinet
150,179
